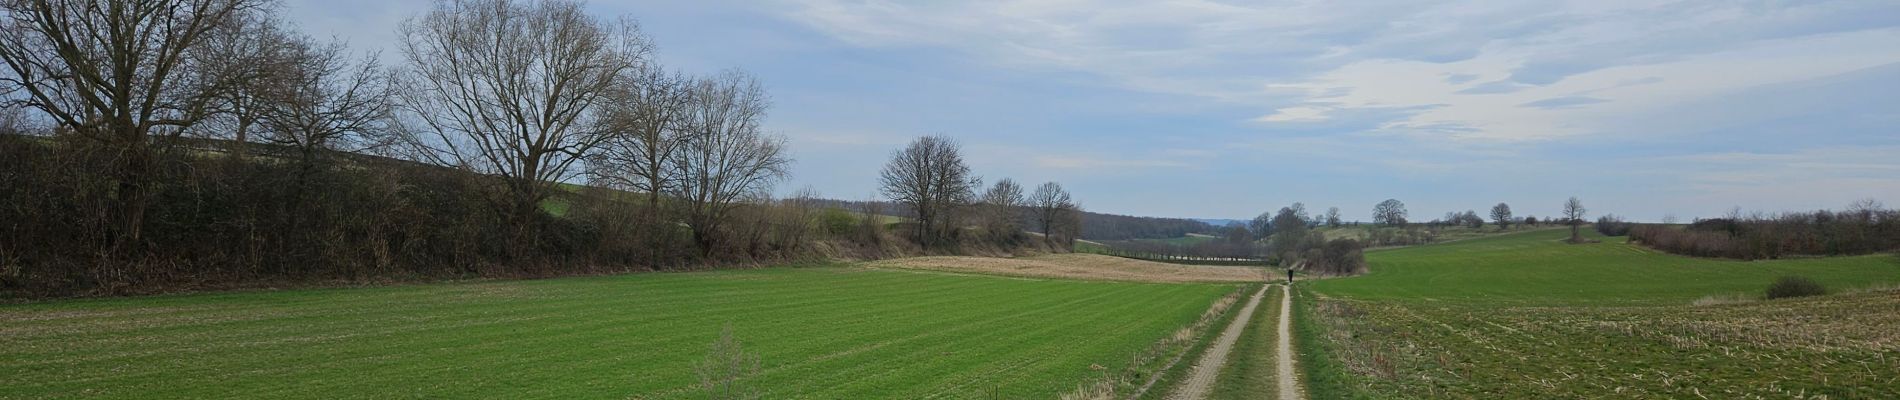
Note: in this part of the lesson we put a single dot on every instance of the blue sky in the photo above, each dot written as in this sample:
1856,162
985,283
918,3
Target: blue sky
1225,109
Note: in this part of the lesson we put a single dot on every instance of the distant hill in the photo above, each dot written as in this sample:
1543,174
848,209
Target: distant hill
1222,222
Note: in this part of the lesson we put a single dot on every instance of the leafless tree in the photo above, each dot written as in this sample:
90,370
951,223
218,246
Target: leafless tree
112,72
232,68
726,156
1389,212
930,177
513,89
649,117
1053,207
1002,204
1332,217
1501,215
318,99
1573,215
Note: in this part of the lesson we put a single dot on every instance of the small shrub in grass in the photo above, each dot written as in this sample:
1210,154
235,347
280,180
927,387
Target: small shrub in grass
722,374
1794,286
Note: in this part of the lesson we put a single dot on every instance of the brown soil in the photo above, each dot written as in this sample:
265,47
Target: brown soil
1082,266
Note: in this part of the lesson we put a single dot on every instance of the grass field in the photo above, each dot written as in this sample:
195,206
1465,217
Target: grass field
1526,316
1535,268
827,332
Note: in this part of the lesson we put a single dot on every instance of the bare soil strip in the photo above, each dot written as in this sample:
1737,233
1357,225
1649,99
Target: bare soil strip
1080,266
1289,382
1198,382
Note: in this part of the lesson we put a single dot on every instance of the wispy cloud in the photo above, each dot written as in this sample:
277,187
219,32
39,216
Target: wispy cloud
1563,102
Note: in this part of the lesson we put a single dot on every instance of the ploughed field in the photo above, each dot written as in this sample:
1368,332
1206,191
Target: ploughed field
827,332
1526,316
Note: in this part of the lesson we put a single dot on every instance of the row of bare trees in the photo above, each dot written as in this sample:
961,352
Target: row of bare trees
1862,228
930,179
152,110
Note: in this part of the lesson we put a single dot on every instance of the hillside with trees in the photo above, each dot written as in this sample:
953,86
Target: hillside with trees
204,144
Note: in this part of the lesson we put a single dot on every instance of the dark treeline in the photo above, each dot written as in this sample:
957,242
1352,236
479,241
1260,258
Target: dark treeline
1099,226
1866,227
155,145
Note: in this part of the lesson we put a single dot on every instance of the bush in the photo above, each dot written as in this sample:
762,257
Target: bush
1794,286
1337,257
1612,225
1860,230
837,222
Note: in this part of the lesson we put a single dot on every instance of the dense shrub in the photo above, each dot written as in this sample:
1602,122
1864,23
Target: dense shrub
1612,225
268,218
1337,257
1864,229
1794,286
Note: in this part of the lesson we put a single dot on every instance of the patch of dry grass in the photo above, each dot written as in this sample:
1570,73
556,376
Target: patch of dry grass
1081,266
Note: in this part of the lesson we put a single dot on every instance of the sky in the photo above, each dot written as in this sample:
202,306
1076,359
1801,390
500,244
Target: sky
1226,109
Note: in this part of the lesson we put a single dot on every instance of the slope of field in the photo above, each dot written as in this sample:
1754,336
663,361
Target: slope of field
1536,268
1081,266
1526,316
821,332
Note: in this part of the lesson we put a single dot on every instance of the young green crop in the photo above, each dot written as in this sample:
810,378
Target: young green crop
1536,268
821,333
1528,316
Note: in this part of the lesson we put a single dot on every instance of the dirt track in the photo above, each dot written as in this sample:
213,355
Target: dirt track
1208,367
1079,266
1289,380
1202,379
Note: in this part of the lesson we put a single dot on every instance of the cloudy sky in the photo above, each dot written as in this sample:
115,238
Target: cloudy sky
1224,109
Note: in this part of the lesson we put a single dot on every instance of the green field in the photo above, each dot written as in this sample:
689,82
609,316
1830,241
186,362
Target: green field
1536,268
1527,316
826,332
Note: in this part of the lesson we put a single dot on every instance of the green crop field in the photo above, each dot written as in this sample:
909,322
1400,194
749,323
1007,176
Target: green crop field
1527,316
1536,268
825,332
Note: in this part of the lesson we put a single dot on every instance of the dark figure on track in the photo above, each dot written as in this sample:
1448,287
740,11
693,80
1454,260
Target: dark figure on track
1289,276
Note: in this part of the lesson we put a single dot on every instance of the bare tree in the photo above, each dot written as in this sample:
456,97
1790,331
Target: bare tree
1052,207
1573,215
1001,206
512,88
726,156
1389,212
1501,215
650,116
1332,217
232,68
319,99
930,177
112,72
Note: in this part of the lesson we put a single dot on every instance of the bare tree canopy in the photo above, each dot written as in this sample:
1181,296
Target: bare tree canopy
113,72
320,99
1332,217
930,177
1001,205
1573,215
511,88
726,156
1501,215
1056,213
649,119
111,69
1389,212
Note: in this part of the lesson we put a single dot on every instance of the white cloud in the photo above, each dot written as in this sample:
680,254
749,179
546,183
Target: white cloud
1489,71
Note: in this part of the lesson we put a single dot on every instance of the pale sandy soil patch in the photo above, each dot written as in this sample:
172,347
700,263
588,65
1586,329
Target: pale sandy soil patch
1082,266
